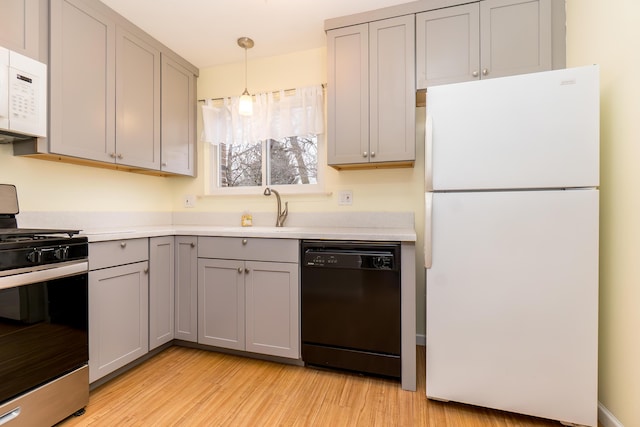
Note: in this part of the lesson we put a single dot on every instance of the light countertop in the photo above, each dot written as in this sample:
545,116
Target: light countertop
329,233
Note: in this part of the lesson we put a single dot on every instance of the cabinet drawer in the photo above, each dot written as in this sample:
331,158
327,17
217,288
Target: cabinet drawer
248,248
117,252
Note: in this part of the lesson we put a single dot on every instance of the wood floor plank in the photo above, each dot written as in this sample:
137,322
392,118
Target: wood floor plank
190,387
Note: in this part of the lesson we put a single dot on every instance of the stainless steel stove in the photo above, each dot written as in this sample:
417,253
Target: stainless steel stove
43,320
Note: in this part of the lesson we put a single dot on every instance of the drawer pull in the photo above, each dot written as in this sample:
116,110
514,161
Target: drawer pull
193,245
246,271
244,241
123,245
239,270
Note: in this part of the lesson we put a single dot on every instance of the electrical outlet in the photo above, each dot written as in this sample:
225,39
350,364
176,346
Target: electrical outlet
345,197
189,201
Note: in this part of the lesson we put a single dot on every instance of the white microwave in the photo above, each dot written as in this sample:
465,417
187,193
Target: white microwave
23,97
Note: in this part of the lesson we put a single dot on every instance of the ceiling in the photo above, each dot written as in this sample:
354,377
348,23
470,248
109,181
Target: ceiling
205,32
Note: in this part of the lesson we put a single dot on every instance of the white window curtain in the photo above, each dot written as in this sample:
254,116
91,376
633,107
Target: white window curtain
274,117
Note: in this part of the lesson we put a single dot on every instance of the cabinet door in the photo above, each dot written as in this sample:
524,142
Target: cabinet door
392,90
348,95
515,37
82,74
272,305
137,102
118,317
186,289
448,45
178,118
20,26
221,303
161,290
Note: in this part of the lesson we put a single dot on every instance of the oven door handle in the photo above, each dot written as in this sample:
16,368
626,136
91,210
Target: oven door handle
57,272
10,416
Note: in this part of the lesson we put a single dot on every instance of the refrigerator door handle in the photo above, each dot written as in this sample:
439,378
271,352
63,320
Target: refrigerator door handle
428,154
428,244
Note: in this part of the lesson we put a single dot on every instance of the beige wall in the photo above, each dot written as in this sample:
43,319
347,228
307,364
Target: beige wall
607,33
51,186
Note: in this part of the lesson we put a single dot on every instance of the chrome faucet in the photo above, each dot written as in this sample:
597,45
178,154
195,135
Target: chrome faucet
281,215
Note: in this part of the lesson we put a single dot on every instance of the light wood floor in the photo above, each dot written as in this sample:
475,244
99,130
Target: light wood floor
189,387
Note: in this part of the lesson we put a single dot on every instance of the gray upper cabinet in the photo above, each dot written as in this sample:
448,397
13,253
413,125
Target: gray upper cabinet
119,98
515,37
491,38
371,93
105,89
348,94
82,76
448,45
178,115
137,102
20,26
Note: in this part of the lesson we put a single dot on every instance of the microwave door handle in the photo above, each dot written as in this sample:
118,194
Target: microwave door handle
428,230
428,154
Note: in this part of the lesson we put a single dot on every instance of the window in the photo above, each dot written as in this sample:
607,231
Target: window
288,163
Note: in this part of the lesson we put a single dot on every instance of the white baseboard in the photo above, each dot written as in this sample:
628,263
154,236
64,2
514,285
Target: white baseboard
606,418
421,340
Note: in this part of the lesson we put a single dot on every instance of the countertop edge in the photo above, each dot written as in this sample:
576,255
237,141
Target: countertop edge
326,233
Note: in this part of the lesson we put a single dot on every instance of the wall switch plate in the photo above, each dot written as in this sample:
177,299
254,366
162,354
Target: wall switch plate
189,201
345,197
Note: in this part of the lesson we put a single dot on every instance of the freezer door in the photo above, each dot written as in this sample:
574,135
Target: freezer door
536,130
512,302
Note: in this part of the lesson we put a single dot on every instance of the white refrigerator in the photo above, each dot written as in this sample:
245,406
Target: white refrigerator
511,243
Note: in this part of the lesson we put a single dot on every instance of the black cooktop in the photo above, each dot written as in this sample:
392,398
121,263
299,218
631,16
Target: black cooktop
13,234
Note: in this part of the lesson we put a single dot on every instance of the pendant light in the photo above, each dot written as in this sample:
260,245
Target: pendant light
246,103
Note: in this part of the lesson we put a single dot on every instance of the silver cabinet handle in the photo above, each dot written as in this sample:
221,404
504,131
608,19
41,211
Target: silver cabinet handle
120,156
146,270
373,154
365,154
239,270
123,245
485,71
112,155
244,241
246,271
193,245
475,73
164,163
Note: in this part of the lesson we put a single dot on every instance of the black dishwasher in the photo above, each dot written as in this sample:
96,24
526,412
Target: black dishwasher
350,306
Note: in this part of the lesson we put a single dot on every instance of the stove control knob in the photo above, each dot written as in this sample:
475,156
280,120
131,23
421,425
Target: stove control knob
61,253
35,256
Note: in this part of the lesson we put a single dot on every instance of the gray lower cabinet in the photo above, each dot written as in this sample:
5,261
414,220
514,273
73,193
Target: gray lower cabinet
118,304
248,295
161,290
371,93
186,288
487,39
20,27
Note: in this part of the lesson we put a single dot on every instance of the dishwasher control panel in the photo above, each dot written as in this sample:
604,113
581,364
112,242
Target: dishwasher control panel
350,259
